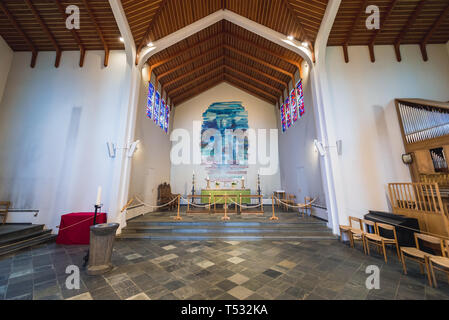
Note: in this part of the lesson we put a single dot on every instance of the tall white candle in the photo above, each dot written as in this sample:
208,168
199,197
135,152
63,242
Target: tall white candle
98,196
243,178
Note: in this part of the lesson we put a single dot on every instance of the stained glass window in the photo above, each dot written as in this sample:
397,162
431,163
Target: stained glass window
288,112
150,100
293,106
283,118
162,114
156,107
300,98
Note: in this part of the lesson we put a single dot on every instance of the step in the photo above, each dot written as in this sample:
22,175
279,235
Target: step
222,230
222,223
231,236
43,237
12,232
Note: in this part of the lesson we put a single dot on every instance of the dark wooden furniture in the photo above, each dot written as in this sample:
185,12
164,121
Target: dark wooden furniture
165,196
405,226
4,207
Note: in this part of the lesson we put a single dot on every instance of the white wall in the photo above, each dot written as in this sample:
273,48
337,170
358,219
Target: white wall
6,55
299,161
54,125
261,115
151,162
363,94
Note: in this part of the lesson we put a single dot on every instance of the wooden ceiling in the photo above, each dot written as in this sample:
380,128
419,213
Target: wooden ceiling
151,20
401,22
39,25
224,52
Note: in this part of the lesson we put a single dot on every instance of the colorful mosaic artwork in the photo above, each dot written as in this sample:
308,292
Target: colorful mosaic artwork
225,159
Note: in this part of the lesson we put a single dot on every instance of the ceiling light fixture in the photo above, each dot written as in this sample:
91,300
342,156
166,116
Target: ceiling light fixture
291,38
150,44
121,39
305,44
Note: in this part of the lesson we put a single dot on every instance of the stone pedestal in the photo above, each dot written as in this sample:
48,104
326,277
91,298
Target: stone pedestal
102,238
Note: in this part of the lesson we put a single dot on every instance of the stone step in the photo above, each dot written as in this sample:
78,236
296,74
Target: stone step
15,232
152,223
43,237
216,229
309,236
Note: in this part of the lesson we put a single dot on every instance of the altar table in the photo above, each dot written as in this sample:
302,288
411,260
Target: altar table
75,227
233,193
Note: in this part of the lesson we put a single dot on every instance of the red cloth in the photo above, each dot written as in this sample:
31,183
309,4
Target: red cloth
79,231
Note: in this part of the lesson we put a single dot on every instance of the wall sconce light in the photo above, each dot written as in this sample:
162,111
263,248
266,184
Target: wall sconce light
339,147
111,149
407,158
133,148
319,147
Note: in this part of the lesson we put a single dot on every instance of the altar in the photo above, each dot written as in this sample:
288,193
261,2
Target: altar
233,194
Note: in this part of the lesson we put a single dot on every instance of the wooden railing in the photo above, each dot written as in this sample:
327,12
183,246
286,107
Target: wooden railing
441,178
423,202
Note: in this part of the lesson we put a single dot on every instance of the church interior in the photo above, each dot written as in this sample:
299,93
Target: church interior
224,149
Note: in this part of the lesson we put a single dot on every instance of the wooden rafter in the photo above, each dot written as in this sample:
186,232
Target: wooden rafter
297,21
73,32
241,87
249,85
16,25
269,52
205,53
351,29
429,33
301,27
377,31
46,31
201,87
185,75
411,20
250,57
177,55
189,83
266,75
150,27
99,32
253,79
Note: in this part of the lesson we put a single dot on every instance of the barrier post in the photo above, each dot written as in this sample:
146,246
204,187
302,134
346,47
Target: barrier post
178,217
273,217
225,217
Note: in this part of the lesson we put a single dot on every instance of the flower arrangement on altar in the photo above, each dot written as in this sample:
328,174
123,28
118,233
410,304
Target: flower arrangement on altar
217,184
233,184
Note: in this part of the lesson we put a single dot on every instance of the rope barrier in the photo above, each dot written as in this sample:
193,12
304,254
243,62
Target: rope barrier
151,206
302,205
197,205
245,206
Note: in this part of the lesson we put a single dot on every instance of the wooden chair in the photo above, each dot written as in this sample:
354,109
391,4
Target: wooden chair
380,241
290,199
359,234
420,256
354,223
4,208
164,196
308,206
441,263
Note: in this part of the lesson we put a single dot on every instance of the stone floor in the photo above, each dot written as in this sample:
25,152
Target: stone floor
214,270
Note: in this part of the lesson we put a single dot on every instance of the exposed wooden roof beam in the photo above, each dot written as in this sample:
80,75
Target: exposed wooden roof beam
253,79
16,25
266,75
248,56
377,31
429,33
406,28
73,32
187,84
203,86
99,32
253,88
351,29
297,21
46,31
196,45
185,75
145,39
205,53
241,87
267,51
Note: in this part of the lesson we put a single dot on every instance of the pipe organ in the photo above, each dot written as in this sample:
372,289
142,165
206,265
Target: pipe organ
425,133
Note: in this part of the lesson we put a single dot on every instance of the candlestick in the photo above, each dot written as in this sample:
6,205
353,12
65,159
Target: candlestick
98,202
